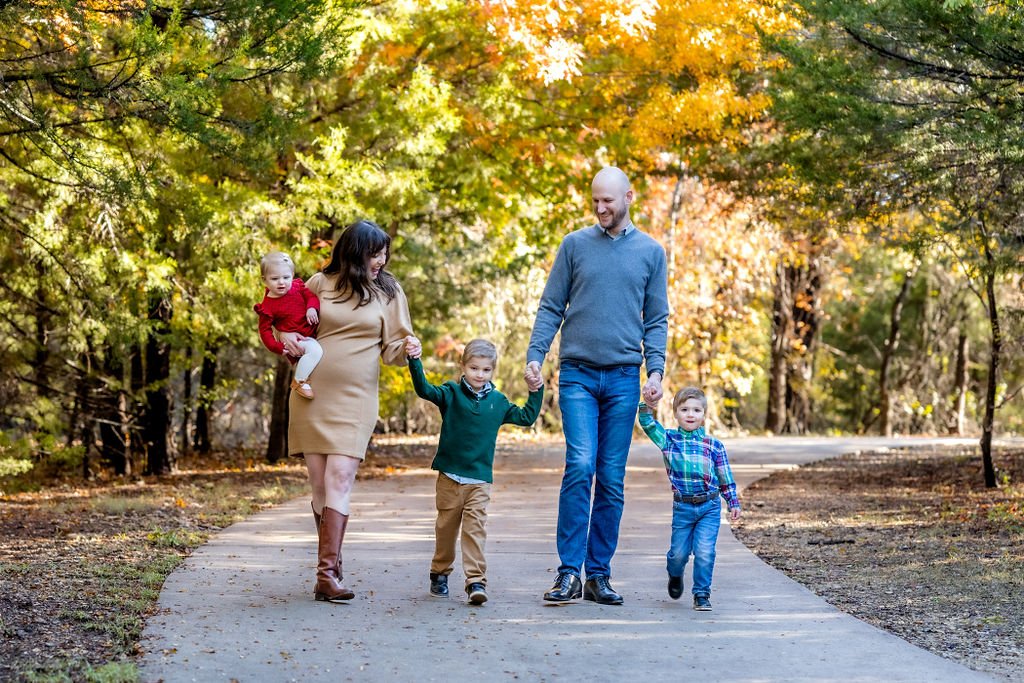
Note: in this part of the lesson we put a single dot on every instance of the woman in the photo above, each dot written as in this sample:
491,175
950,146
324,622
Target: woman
364,318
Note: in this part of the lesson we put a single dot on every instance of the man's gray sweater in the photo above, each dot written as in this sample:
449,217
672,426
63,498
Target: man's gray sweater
610,298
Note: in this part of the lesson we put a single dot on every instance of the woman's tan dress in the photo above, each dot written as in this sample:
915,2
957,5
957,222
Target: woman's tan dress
341,418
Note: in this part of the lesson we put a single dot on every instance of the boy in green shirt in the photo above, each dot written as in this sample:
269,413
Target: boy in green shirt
472,411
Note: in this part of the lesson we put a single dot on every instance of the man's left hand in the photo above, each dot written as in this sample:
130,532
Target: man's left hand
652,391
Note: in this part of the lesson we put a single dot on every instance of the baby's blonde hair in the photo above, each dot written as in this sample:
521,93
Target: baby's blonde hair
480,348
275,258
685,394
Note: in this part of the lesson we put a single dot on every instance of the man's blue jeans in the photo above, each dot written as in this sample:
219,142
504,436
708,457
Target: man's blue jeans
695,530
598,411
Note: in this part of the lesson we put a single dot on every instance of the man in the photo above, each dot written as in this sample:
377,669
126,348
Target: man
607,291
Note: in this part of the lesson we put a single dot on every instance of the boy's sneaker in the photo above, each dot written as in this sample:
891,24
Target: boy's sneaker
438,585
702,603
675,587
477,594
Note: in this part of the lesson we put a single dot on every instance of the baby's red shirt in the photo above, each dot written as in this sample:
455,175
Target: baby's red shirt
286,313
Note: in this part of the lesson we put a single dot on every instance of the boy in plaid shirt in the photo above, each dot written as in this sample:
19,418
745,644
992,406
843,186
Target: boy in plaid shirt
698,469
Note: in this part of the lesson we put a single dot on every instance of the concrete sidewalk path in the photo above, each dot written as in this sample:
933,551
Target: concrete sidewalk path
241,607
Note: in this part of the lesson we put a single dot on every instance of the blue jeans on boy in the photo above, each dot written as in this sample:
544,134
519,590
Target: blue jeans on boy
598,410
695,529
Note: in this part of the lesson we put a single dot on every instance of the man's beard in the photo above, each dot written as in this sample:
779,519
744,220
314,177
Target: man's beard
616,220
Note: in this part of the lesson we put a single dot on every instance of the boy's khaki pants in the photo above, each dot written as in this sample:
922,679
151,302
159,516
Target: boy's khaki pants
462,505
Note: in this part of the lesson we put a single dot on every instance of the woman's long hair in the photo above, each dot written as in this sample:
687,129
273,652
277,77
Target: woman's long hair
356,244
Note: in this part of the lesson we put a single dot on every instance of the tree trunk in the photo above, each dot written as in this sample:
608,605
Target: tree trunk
207,377
798,404
775,418
80,423
888,351
186,404
277,445
72,431
87,438
988,423
805,283
113,433
81,392
673,220
136,444
156,418
42,323
670,257
962,377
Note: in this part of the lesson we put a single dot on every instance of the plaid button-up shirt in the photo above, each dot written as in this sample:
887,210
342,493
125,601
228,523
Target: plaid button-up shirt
695,462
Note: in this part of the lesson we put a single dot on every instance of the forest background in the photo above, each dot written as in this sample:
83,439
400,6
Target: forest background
837,186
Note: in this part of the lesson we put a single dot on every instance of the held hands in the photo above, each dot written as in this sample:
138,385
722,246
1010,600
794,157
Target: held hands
312,316
533,377
652,391
290,341
413,348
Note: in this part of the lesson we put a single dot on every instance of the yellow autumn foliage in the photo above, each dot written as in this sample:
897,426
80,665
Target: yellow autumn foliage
668,72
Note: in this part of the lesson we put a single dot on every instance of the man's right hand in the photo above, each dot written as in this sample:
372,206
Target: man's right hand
533,376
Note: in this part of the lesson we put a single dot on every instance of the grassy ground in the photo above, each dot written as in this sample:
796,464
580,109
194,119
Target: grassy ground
909,541
81,565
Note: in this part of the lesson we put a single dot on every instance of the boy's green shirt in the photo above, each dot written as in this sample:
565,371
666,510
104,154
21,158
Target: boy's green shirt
469,426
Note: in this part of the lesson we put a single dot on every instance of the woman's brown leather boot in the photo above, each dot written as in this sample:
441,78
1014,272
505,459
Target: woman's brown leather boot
328,570
316,522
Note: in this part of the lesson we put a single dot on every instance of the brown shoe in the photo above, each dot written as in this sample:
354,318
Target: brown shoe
302,389
328,571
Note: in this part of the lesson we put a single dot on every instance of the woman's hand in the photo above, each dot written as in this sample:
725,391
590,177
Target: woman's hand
413,348
291,343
